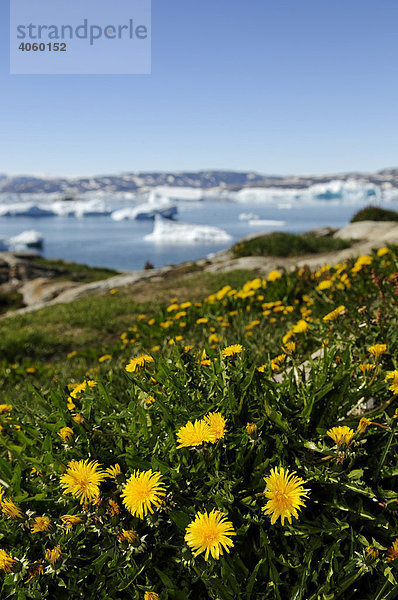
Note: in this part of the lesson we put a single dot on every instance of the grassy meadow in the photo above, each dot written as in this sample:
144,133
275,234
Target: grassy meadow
218,437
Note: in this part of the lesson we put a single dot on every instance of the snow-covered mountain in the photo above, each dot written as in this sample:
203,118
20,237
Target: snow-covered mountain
227,180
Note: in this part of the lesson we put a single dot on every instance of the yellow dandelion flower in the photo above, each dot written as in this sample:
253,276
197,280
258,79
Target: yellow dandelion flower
151,596
393,375
251,429
138,361
383,251
277,362
113,471
30,370
371,552
324,285
9,509
210,533
78,389
363,425
41,524
285,493
193,434
114,508
71,354
91,383
5,409
149,400
362,261
367,368
54,554
300,327
289,348
232,350
273,275
262,368
69,521
202,320
377,350
104,358
128,535
34,570
82,479
142,491
392,552
216,424
70,405
66,433
341,435
6,561
78,418
204,361
172,307
214,338
113,291
334,314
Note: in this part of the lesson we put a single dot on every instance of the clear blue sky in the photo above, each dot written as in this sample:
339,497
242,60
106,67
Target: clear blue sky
276,86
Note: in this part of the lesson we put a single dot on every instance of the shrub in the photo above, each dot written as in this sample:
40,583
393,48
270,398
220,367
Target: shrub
288,244
374,213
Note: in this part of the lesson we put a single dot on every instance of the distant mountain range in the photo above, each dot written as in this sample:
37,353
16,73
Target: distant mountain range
230,180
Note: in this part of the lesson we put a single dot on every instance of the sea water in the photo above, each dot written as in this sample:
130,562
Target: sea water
101,241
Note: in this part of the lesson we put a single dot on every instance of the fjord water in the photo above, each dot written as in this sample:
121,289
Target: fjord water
101,241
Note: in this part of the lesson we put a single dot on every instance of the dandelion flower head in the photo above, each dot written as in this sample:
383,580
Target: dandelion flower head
285,493
342,435
82,479
142,491
210,533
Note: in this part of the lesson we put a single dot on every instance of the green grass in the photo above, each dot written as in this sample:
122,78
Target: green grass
50,333
374,213
294,399
288,245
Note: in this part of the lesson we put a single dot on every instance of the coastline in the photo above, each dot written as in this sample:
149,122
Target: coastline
39,291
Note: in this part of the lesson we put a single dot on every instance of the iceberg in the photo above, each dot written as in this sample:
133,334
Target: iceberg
29,239
177,193
25,210
335,190
170,232
266,223
247,216
156,205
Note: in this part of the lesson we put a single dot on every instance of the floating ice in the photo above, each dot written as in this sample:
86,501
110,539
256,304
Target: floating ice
266,223
169,232
156,205
30,238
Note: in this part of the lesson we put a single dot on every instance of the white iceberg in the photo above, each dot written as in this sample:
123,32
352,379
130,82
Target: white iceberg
335,190
247,216
266,223
156,205
25,210
29,239
169,232
183,193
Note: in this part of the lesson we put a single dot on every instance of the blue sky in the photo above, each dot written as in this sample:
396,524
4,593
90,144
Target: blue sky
273,86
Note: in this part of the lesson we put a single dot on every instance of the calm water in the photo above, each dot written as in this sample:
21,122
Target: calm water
100,241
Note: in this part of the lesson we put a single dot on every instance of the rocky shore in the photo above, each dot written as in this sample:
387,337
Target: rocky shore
38,287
